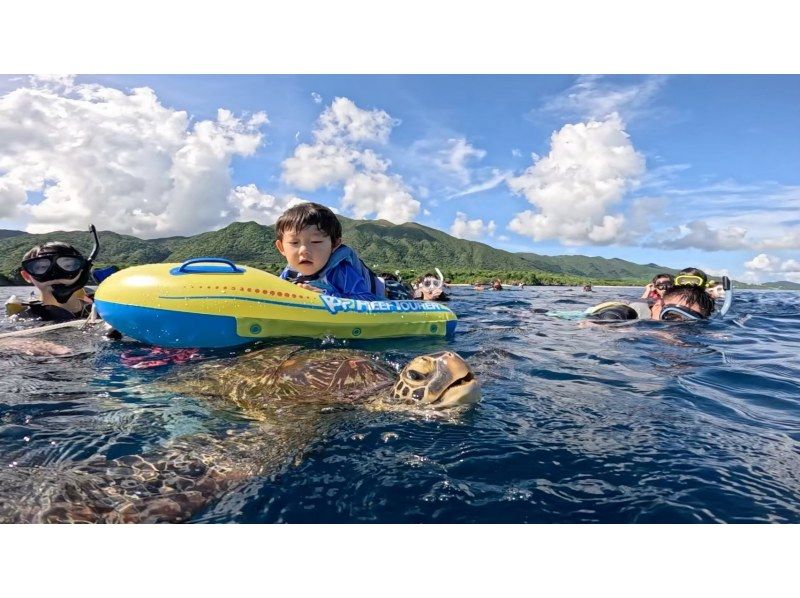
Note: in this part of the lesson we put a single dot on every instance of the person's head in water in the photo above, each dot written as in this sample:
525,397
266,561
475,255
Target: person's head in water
684,302
691,276
659,285
58,271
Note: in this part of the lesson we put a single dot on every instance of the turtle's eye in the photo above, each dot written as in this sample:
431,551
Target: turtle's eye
415,375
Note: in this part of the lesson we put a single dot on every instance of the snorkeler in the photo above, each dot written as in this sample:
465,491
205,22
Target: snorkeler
431,288
682,302
59,273
661,283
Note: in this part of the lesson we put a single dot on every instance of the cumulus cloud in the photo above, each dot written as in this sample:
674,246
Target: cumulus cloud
336,153
316,97
122,161
344,121
248,203
764,267
338,156
319,165
586,174
463,228
385,196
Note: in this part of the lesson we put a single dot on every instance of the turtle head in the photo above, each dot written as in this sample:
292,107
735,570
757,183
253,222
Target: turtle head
440,381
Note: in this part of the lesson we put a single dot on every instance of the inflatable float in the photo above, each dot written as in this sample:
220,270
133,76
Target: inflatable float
214,303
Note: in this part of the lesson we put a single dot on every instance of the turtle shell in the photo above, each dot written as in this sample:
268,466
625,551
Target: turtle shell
254,379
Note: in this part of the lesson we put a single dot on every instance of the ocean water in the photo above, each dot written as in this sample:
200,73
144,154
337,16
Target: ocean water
648,423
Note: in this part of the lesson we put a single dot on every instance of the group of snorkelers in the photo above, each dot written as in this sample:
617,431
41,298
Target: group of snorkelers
309,237
689,295
496,285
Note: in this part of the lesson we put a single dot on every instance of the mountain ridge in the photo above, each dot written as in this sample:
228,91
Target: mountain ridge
410,247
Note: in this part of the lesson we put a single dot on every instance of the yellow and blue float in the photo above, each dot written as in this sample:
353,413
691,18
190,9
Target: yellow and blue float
214,303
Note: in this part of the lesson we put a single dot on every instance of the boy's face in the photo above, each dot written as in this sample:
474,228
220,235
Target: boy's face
307,250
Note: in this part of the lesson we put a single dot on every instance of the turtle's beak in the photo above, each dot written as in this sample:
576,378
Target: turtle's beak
452,382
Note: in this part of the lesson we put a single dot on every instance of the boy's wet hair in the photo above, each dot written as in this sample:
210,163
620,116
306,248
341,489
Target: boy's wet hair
51,248
693,295
306,214
668,276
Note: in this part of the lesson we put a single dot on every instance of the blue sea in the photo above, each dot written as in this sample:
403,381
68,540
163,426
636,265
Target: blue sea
643,423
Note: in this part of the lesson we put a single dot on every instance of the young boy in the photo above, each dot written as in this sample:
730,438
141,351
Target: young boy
309,236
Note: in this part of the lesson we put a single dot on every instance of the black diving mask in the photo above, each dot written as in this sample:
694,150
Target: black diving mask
679,313
47,267
56,266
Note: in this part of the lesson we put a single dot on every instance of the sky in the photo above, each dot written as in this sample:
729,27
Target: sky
676,170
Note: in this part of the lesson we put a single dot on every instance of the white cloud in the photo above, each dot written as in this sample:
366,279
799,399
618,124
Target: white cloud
700,235
596,97
380,194
759,216
764,267
490,183
249,203
790,240
319,165
335,154
764,263
463,228
454,157
343,121
316,97
338,156
122,161
516,153
588,170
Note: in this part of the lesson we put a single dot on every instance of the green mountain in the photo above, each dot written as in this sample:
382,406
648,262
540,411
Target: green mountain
5,233
784,285
595,267
411,248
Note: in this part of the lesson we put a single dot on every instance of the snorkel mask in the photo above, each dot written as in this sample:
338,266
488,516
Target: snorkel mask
680,313
689,279
58,264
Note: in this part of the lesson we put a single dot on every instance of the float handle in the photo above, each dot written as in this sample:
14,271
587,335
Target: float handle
201,260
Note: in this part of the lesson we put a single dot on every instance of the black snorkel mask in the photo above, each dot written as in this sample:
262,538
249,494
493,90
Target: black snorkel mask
55,265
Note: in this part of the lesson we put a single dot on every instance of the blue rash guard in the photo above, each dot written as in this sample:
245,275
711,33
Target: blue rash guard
345,276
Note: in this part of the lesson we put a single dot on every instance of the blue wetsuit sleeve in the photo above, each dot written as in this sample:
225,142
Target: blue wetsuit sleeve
284,273
348,283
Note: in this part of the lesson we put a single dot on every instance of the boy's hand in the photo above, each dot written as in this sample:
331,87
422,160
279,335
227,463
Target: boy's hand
308,287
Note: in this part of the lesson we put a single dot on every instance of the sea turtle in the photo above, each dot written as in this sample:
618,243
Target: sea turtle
288,392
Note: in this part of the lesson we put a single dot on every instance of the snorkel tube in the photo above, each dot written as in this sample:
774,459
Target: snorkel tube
62,292
726,305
